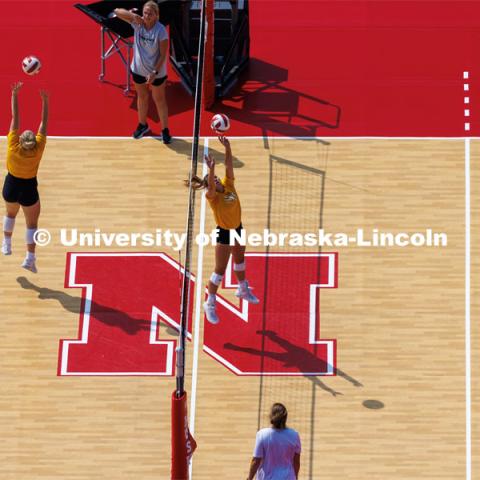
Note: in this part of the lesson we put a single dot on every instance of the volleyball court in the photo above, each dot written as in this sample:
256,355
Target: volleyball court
378,307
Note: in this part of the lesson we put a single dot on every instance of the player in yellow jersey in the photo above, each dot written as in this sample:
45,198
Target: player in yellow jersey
225,204
20,187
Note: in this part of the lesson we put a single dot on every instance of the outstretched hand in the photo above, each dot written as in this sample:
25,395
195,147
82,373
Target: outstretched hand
210,161
224,141
16,87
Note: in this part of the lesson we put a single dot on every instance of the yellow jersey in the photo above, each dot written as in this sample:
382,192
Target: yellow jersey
226,206
24,163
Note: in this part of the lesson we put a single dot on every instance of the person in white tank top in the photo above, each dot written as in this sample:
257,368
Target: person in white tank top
277,449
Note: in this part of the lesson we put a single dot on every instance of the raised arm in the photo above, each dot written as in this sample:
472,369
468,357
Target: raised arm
44,122
211,189
228,156
128,16
15,123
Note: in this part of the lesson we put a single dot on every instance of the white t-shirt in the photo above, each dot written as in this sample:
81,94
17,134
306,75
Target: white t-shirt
276,448
146,51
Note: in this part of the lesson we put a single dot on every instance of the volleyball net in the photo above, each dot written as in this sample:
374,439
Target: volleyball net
183,444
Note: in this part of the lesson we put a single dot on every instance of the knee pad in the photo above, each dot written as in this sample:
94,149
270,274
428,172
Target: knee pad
8,224
216,279
29,235
239,267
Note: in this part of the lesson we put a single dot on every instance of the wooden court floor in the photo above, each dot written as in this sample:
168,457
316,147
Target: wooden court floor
398,315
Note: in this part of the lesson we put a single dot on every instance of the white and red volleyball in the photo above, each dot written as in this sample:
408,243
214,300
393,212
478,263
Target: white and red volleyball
220,122
31,65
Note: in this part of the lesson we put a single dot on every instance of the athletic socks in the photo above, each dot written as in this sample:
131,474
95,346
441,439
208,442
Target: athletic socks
212,298
29,262
7,245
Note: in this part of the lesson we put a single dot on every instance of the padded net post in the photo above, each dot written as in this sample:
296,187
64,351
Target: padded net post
183,444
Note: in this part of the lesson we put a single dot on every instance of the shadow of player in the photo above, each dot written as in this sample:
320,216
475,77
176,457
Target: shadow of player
297,357
107,315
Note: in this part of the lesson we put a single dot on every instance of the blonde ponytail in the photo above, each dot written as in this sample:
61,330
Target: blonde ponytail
197,183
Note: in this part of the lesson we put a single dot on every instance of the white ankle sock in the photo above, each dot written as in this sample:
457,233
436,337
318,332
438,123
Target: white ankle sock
212,298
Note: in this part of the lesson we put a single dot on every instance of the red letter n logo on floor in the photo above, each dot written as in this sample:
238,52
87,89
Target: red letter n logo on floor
280,335
125,297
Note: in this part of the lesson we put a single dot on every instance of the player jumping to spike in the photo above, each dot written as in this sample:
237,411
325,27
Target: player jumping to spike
225,204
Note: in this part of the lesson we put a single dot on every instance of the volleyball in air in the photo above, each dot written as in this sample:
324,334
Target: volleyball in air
31,65
220,122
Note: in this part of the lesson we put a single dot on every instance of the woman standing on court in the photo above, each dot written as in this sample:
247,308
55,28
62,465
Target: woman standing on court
277,449
20,187
224,201
149,65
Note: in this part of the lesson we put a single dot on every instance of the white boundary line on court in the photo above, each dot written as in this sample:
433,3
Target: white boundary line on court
198,315
466,101
58,137
468,390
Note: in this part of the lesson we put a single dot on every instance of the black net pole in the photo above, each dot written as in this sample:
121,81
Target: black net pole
185,298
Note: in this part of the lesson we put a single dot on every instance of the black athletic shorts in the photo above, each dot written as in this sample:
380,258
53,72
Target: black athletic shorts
223,235
140,80
20,190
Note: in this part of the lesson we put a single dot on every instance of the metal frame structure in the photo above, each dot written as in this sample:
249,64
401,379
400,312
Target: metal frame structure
238,54
115,48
